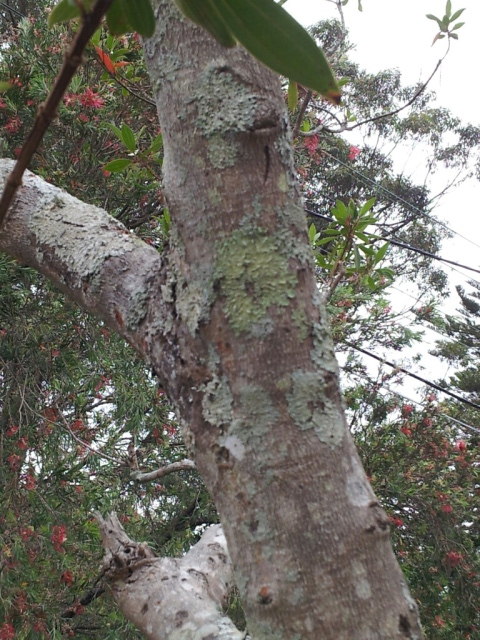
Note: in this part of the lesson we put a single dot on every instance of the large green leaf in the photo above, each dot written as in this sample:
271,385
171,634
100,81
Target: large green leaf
270,34
117,20
140,16
205,14
63,12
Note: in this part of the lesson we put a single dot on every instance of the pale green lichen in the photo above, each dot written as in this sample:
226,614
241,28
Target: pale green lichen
195,299
222,152
217,402
254,276
224,104
299,319
257,404
310,407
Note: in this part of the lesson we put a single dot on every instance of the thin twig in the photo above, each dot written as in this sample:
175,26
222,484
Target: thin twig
181,465
48,110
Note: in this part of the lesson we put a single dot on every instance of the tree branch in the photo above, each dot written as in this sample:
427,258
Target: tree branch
181,465
166,595
84,251
48,110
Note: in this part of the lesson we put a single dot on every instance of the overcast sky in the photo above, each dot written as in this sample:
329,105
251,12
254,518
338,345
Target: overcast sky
396,34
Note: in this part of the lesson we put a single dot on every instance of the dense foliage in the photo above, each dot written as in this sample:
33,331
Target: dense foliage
80,413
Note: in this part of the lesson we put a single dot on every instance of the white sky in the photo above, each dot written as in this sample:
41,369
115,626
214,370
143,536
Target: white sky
396,34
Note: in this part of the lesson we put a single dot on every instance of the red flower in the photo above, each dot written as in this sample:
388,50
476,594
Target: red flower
453,558
30,482
91,99
353,153
446,508
14,462
460,445
12,431
22,443
311,144
398,522
7,632
59,536
407,409
67,578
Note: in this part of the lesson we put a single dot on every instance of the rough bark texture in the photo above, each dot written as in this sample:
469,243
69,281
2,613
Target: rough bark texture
232,322
179,599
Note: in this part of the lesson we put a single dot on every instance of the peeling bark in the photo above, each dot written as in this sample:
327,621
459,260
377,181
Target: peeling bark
232,322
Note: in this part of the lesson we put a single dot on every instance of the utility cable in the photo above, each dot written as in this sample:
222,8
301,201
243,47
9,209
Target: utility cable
419,404
429,383
397,198
402,245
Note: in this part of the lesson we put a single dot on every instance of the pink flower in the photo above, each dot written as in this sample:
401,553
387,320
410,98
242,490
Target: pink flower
311,144
453,558
7,632
13,125
460,445
353,153
91,99
407,409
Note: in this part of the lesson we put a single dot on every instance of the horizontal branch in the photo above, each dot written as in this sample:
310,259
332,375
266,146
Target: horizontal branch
88,254
181,465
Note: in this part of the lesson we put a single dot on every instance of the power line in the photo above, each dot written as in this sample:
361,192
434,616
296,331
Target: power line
397,198
429,383
400,244
419,404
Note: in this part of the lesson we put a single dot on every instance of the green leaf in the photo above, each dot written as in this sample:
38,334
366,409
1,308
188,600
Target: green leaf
117,21
459,25
140,16
156,145
312,232
292,95
381,253
270,34
357,257
115,130
448,8
454,36
5,86
205,14
115,166
320,243
128,138
456,15
63,12
367,206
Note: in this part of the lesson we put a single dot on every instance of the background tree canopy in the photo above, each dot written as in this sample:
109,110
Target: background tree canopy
79,411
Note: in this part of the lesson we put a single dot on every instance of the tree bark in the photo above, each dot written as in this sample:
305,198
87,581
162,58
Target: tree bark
232,321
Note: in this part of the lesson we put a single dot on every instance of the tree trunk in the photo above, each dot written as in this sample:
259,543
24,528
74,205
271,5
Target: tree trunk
232,321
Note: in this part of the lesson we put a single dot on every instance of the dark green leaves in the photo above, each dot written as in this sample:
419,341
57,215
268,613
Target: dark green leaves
270,34
124,16
63,12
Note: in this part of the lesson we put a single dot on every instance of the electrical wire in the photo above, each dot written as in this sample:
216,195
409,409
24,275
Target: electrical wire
397,198
397,243
429,383
419,404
